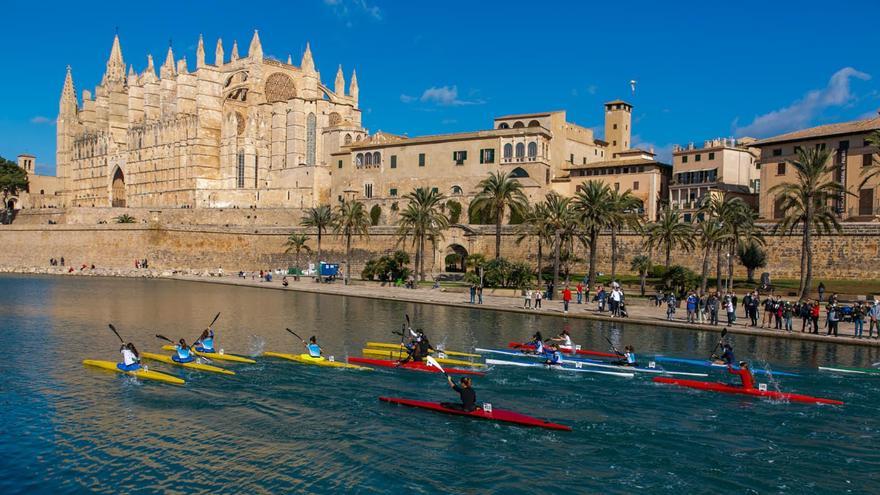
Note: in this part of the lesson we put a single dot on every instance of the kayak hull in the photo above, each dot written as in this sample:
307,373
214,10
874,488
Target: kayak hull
500,415
852,371
384,363
192,365
730,389
321,361
569,350
499,362
399,346
594,363
710,364
395,354
141,373
216,356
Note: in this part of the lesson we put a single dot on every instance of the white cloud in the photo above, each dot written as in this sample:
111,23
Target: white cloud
346,8
800,113
445,96
39,119
592,89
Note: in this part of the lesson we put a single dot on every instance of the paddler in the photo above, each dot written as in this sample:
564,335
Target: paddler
628,356
184,353
745,374
205,342
419,350
554,357
537,344
467,394
131,359
726,356
564,339
313,348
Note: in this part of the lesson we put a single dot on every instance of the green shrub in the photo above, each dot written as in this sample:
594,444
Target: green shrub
375,215
454,211
393,264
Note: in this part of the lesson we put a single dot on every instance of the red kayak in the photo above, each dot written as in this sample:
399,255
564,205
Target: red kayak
496,414
732,389
583,352
384,363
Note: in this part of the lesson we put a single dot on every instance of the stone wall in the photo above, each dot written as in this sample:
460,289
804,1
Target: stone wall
852,254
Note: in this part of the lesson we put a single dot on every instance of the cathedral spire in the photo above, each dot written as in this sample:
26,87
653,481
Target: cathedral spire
307,64
167,69
255,51
218,53
200,53
181,66
289,60
339,87
67,104
234,55
353,86
115,65
150,71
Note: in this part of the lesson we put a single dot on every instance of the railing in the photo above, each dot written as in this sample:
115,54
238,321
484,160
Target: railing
522,159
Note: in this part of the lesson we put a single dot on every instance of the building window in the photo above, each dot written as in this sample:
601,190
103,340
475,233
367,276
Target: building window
487,155
459,157
377,159
504,125
867,160
435,190
635,185
687,217
368,191
339,164
711,156
393,191
368,159
585,160
617,186
348,139
843,145
359,160
256,169
777,152
780,169
520,150
456,190
571,158
240,170
614,143
421,159
698,157
508,150
311,124
684,159
393,161
615,126
533,151
778,211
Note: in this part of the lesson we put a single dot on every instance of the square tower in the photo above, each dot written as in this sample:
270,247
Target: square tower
27,162
618,121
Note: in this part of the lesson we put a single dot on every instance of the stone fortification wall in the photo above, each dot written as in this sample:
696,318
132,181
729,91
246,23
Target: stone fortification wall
280,217
852,254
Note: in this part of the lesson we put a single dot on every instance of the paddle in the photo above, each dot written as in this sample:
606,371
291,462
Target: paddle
209,326
723,334
612,347
162,337
114,331
433,362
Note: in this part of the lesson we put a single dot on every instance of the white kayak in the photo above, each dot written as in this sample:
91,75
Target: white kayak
499,362
579,363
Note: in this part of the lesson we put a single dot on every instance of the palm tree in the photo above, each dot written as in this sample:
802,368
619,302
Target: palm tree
534,224
320,218
727,211
350,219
872,170
623,211
669,232
592,204
422,219
297,243
559,226
498,192
712,235
642,265
806,203
124,219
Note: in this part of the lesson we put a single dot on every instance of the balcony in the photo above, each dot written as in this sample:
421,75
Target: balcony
523,159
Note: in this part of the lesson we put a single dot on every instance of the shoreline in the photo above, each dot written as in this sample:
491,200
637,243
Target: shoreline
641,311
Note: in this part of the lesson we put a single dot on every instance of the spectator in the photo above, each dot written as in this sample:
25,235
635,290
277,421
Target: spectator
858,319
713,308
601,296
731,311
538,297
527,299
767,317
566,299
832,317
473,291
580,293
814,315
616,296
821,290
874,315
692,303
480,293
804,311
670,307
787,313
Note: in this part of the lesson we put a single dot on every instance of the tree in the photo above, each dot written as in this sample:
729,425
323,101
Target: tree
752,256
642,265
592,204
711,235
498,192
124,219
669,232
623,211
678,279
559,226
12,179
454,211
297,243
387,268
350,219
807,203
319,218
422,219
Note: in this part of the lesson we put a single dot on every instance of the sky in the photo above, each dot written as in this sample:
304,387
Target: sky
703,69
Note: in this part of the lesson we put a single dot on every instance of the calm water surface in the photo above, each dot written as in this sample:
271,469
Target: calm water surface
280,427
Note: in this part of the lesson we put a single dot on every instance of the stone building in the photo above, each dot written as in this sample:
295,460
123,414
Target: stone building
241,132
43,191
851,153
721,165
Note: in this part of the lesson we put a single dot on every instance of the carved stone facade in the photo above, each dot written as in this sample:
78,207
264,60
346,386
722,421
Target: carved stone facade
249,131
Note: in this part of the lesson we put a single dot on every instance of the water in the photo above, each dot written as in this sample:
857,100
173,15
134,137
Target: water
280,427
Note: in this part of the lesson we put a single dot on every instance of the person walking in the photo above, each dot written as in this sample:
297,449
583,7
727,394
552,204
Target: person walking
821,290
566,299
616,296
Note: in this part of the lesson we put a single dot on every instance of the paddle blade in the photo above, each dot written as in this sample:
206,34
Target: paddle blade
723,332
114,331
214,320
433,362
164,338
294,334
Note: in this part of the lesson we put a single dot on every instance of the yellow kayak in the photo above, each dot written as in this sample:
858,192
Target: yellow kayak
215,355
191,365
383,345
141,373
319,361
390,354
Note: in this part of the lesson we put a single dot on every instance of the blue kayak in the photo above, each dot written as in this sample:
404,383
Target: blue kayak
710,364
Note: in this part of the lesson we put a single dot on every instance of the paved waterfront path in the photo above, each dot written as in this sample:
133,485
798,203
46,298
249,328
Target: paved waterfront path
641,311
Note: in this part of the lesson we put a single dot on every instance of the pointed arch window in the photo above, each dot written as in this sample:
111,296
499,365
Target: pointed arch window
239,169
508,150
377,159
311,125
368,159
533,150
520,150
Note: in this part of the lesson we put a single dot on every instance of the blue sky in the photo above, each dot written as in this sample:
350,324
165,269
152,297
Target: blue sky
703,70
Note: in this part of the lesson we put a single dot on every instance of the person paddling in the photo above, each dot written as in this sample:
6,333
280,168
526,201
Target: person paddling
131,359
726,356
314,349
628,358
467,394
554,357
184,352
205,342
744,373
419,350
564,339
536,344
